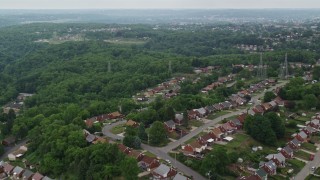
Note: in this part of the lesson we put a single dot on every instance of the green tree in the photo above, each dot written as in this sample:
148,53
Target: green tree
268,96
310,101
316,73
129,168
185,119
142,132
215,162
130,131
157,133
277,124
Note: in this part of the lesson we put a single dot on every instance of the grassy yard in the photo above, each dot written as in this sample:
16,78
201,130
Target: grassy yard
195,123
218,114
317,171
295,164
118,129
147,153
309,147
312,177
302,155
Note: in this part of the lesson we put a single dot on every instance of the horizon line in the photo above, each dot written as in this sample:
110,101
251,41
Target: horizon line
267,8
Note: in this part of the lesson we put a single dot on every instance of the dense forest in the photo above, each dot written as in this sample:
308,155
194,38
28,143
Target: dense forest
77,71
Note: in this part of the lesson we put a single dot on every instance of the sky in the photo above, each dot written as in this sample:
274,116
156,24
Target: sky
157,4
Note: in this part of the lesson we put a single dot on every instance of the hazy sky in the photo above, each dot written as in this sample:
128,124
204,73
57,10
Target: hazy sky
144,4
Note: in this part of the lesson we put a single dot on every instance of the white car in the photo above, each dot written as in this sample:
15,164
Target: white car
168,161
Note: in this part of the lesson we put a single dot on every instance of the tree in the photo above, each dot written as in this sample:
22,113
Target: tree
269,96
130,131
142,132
277,124
259,128
157,133
215,162
129,168
185,119
316,73
310,101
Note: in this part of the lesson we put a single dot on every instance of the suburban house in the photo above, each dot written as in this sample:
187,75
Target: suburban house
227,128
136,155
163,172
226,105
37,176
270,167
242,117
179,177
8,168
178,119
262,174
258,109
309,130
89,122
217,107
235,123
114,115
148,163
209,109
124,148
193,114
279,159
194,148
132,123
287,152
315,123
279,101
201,112
27,174
266,106
302,136
205,140
17,172
170,125
294,144
216,133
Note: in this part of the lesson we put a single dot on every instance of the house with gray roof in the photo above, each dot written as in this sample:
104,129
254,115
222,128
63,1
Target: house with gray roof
163,172
202,112
17,172
270,167
90,138
279,159
294,144
261,173
170,125
302,136
287,152
180,177
178,118
27,174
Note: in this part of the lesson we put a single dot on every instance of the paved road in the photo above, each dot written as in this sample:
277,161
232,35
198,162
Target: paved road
11,149
306,170
163,152
213,122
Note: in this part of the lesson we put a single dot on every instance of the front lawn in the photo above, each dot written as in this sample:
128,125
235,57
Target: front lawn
309,147
296,165
195,123
118,129
302,155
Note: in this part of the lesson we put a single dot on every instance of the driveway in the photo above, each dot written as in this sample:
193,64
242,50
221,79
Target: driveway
307,168
11,149
163,152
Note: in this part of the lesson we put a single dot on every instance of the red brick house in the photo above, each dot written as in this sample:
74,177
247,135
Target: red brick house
279,159
194,148
236,124
270,167
205,140
294,144
216,134
124,148
114,115
302,136
136,154
132,123
242,117
148,163
170,125
287,152
193,114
